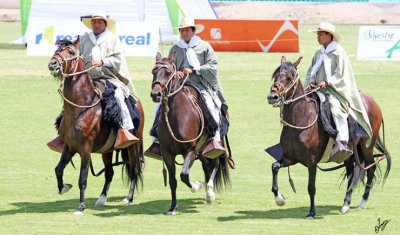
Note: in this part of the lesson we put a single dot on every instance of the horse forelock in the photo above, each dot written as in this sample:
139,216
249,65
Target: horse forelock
61,43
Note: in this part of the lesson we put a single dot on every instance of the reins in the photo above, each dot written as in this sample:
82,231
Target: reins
285,90
75,61
166,95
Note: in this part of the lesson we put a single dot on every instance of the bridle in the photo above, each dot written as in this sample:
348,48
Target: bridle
166,94
283,92
74,64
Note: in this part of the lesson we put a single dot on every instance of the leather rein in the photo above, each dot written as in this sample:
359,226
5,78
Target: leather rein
166,94
75,61
283,93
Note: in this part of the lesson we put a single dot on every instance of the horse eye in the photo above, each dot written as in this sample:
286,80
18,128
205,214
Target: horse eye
71,52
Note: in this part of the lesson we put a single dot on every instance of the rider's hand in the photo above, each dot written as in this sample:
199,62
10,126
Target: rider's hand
310,86
323,84
97,63
187,71
180,74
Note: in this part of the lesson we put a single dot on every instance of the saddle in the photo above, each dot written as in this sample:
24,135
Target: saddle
111,112
210,124
325,117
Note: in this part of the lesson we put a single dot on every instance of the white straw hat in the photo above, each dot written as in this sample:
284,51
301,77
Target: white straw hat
99,15
327,27
189,22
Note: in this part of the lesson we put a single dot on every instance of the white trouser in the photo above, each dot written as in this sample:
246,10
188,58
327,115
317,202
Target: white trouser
214,110
342,128
126,117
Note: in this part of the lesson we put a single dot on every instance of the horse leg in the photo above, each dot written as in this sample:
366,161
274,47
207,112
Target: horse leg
279,199
210,195
353,175
132,163
189,159
312,170
108,174
66,156
85,158
368,186
170,163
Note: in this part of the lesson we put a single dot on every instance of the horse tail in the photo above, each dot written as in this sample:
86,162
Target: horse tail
222,178
381,147
133,172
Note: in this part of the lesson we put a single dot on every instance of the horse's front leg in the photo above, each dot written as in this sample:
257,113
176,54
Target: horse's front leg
312,170
352,173
189,159
66,156
108,174
85,158
170,163
279,199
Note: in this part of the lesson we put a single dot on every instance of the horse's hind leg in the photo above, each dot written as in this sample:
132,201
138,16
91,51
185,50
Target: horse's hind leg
352,174
134,166
108,174
210,195
66,156
189,159
367,154
170,163
279,199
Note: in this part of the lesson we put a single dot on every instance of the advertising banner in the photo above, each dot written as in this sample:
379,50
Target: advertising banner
251,35
137,38
379,43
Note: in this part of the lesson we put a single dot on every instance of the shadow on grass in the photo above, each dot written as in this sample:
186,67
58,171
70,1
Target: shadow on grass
156,207
6,46
290,213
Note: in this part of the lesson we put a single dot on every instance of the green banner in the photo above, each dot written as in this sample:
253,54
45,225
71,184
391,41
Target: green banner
173,10
25,7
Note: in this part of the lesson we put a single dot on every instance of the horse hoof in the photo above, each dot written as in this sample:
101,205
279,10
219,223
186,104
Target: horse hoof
66,188
126,201
171,212
309,217
210,197
345,209
280,200
196,186
101,201
78,213
362,205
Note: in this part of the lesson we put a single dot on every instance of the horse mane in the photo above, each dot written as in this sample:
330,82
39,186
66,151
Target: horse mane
61,43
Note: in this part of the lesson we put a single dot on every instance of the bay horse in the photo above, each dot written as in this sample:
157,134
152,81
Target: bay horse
303,138
82,128
179,130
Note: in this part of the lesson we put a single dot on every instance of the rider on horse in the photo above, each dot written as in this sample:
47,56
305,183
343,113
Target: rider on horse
196,58
104,51
331,71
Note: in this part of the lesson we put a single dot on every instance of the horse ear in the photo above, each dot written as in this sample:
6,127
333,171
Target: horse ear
297,62
283,60
172,57
158,57
76,43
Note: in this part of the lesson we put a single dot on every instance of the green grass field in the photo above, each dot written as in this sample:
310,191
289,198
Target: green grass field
29,203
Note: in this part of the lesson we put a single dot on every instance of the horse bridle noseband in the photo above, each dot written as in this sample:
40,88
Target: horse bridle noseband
75,62
166,95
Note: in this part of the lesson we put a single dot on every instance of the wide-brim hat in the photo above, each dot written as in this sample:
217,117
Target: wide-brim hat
327,27
99,15
189,22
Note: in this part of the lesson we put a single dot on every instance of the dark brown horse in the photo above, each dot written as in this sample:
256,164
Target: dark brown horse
82,128
303,139
180,131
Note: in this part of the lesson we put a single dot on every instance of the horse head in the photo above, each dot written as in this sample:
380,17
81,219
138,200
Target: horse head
285,78
164,77
65,57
